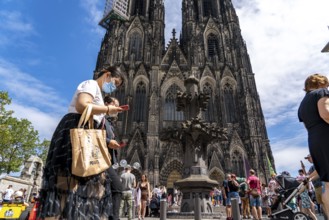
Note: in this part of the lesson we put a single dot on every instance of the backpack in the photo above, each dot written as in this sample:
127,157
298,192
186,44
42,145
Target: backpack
243,190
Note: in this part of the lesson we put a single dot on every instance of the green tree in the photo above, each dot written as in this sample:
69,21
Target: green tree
42,150
18,139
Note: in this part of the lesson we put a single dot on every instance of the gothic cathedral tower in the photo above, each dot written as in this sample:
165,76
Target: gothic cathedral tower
209,48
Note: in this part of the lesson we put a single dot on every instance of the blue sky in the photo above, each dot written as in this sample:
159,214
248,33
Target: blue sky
48,47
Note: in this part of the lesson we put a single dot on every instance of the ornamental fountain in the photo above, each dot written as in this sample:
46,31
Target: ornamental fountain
194,136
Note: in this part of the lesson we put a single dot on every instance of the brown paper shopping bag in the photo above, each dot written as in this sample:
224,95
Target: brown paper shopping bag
90,155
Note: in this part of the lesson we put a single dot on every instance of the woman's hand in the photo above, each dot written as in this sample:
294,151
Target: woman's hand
113,109
113,144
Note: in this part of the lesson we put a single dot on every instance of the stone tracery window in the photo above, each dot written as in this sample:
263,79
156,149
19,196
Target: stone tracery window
170,112
135,45
209,8
237,164
120,94
139,7
213,46
140,102
209,113
229,103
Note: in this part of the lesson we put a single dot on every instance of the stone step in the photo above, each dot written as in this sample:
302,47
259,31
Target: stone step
218,209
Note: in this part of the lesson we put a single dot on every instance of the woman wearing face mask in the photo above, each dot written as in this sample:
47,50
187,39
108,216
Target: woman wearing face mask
63,195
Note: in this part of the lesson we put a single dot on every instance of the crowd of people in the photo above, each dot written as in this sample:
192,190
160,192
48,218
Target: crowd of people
11,195
256,198
314,113
139,196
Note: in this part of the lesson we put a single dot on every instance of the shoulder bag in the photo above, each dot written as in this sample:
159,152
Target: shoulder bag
90,155
254,192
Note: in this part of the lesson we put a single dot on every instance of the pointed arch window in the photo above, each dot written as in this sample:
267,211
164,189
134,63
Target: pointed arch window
139,8
170,112
209,8
135,46
140,102
209,113
213,46
237,164
120,94
229,103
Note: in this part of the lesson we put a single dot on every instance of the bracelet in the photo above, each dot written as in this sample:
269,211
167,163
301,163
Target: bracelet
108,110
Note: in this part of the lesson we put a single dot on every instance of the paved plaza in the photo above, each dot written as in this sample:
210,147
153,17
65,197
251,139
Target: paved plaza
319,217
219,213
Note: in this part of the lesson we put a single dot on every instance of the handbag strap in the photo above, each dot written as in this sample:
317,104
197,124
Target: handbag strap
85,117
103,123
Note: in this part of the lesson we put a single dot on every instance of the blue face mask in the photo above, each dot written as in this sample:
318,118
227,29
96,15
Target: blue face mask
108,87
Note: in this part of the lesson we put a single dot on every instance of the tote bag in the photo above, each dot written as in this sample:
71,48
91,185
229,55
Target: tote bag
90,155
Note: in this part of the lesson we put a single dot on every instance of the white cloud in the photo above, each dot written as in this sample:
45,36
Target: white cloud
284,40
13,21
173,18
43,122
14,28
27,88
31,99
94,10
288,153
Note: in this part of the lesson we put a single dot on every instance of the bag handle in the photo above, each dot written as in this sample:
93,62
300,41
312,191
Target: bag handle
85,117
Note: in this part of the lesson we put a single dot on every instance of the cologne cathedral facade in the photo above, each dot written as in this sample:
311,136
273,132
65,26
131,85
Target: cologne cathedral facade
209,48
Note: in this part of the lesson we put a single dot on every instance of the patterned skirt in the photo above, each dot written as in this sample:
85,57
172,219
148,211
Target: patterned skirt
65,196
306,201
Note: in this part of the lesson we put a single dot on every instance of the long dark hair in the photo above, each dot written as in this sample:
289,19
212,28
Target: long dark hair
115,72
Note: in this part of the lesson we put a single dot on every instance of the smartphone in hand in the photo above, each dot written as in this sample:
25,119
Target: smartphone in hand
122,144
124,107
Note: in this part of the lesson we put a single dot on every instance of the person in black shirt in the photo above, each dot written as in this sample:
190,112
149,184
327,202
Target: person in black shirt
231,188
234,187
314,113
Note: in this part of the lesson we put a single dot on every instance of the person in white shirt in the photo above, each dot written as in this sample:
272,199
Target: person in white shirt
8,194
64,195
19,194
157,192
